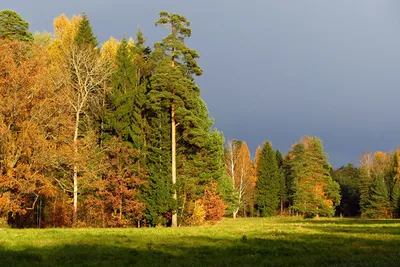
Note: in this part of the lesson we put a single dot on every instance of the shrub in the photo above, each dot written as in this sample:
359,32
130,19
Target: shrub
199,214
214,206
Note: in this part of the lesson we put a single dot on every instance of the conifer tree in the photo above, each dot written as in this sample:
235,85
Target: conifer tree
157,194
395,200
120,101
315,193
282,180
292,163
365,181
378,205
348,178
13,27
85,35
394,190
173,88
143,68
268,184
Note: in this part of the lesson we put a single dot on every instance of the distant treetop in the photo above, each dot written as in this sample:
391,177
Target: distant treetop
13,27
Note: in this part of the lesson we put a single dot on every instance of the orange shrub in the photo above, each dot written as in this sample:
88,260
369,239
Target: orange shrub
214,206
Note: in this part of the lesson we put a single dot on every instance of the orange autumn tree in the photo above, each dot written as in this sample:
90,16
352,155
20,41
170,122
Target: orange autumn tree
114,200
28,128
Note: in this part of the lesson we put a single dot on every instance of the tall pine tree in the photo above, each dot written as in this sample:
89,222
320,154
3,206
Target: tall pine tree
177,115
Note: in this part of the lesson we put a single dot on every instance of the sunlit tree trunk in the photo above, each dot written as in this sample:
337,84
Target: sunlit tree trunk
75,168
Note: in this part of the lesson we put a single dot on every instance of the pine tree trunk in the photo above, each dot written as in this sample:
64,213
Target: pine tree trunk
173,145
174,222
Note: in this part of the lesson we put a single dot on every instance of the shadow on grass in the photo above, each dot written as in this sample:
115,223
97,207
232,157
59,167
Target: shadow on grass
337,221
351,221
276,249
351,226
83,255
348,229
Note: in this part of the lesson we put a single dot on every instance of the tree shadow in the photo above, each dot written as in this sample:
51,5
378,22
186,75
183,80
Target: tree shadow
83,255
275,249
349,229
346,221
353,221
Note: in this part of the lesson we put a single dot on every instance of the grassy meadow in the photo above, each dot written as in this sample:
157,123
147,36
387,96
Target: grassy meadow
242,242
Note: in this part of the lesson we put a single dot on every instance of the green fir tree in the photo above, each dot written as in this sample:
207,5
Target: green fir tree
282,180
365,181
393,185
268,184
378,205
118,115
85,35
348,179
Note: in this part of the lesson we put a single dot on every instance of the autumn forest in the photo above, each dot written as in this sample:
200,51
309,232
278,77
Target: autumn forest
117,135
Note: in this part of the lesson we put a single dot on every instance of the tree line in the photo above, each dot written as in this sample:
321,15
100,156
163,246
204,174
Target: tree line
302,182
117,135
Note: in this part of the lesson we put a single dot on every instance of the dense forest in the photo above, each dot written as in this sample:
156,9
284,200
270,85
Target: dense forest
117,135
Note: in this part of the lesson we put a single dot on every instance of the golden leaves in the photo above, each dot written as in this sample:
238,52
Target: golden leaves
109,50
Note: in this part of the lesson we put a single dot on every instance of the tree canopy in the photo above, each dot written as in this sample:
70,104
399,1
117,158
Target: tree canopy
13,27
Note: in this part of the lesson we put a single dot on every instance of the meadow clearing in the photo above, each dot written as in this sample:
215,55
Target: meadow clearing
272,241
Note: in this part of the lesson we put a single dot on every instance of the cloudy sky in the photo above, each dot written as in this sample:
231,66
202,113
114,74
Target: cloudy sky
275,69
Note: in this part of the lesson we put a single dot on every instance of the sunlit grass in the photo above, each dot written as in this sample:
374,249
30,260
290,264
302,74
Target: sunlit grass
242,242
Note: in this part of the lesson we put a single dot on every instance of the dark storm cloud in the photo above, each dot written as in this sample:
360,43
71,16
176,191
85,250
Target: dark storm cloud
276,70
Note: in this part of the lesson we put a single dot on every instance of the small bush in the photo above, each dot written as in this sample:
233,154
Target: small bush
214,206
199,214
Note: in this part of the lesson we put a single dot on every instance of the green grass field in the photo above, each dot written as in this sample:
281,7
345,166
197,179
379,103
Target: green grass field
242,242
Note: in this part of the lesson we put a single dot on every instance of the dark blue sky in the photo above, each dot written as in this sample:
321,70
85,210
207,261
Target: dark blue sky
275,70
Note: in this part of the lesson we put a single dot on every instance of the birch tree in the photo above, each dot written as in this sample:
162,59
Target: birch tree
82,75
240,169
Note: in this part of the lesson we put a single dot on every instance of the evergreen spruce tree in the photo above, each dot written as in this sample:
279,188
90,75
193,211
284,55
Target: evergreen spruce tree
268,184
395,200
378,205
85,35
13,27
315,193
143,68
365,181
119,113
393,185
291,164
126,102
348,178
282,180
279,158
